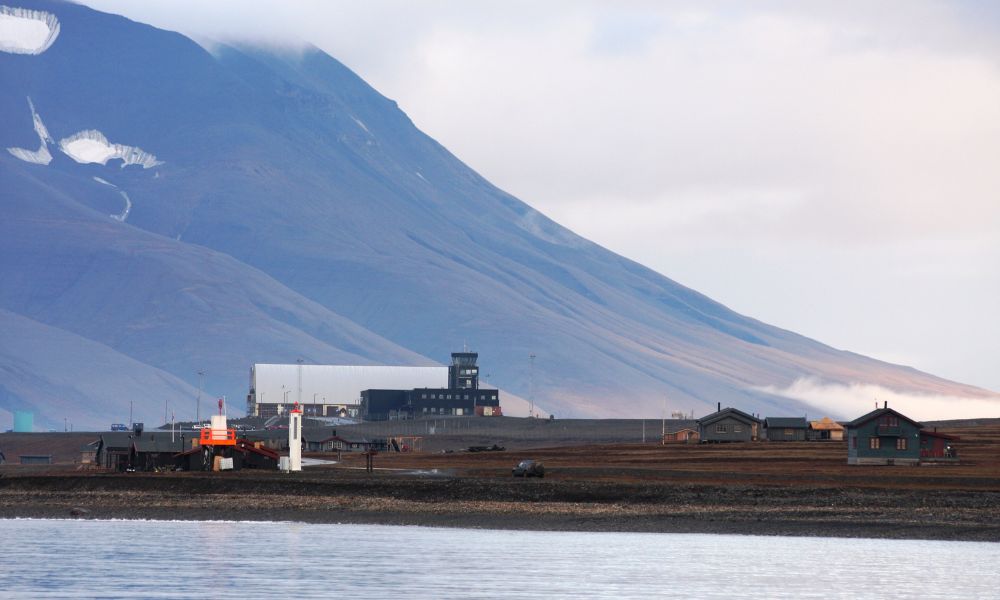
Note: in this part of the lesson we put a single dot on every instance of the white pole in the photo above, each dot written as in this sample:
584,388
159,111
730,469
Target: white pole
295,439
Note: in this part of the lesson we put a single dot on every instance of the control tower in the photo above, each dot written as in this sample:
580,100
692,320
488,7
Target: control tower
463,372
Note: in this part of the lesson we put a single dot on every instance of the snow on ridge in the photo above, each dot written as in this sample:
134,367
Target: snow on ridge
90,146
42,156
128,201
361,125
128,208
25,31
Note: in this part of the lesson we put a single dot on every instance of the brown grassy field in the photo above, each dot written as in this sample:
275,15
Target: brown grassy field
759,463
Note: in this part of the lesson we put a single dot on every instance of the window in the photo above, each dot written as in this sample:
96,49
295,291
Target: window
737,428
901,443
466,397
721,428
423,396
789,432
854,442
433,396
873,443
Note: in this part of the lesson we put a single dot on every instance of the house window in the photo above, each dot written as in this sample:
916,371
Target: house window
789,432
854,442
901,443
737,428
873,443
721,428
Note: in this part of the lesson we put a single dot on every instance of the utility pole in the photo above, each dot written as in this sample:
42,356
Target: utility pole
130,414
201,377
663,432
299,398
531,386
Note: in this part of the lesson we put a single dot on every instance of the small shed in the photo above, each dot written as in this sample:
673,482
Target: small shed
937,447
88,453
728,425
685,435
36,459
785,429
157,451
826,429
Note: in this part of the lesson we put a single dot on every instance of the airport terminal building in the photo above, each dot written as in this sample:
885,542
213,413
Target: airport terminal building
371,392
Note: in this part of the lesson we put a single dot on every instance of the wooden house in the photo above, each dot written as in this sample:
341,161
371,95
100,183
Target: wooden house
785,429
883,437
937,447
825,429
686,435
728,425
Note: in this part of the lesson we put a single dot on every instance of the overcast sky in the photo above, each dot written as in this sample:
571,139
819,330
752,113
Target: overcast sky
831,168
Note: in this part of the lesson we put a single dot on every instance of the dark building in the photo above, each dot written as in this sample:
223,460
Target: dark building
463,373
785,429
728,425
462,397
883,437
936,446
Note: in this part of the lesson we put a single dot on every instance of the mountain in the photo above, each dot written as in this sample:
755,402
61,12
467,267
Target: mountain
189,210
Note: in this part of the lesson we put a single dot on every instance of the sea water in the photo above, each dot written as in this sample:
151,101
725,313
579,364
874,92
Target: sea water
218,559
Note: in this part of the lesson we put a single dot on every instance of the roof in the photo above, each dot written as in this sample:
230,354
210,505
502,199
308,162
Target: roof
878,412
944,436
281,433
159,444
826,423
728,412
338,384
786,422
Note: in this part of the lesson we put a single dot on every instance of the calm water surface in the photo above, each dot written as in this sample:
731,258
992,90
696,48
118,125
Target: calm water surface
181,559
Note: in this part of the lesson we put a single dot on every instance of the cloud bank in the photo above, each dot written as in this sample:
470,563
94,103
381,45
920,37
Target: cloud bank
852,401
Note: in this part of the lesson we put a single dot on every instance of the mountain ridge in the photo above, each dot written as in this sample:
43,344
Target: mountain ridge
294,168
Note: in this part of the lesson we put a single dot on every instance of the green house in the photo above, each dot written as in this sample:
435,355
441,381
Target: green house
883,437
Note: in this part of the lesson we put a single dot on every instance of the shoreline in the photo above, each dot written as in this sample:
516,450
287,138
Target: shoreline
336,497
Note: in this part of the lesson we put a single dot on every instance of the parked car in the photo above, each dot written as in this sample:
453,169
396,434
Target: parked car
529,468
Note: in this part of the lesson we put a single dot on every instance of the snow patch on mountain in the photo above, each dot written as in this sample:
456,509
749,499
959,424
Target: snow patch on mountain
361,124
42,156
128,201
24,31
90,146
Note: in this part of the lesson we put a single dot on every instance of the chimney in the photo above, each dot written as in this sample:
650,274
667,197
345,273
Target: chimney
885,404
718,406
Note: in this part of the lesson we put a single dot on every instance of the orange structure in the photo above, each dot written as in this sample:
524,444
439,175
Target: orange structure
218,434
218,437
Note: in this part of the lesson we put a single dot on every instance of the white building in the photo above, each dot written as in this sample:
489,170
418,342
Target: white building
330,390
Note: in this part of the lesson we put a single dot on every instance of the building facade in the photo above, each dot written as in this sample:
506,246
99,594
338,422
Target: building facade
785,429
883,437
463,396
728,425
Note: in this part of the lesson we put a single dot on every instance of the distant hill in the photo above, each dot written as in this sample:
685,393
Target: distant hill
202,211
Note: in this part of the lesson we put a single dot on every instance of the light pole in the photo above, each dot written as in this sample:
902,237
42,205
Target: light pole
197,414
531,386
299,397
